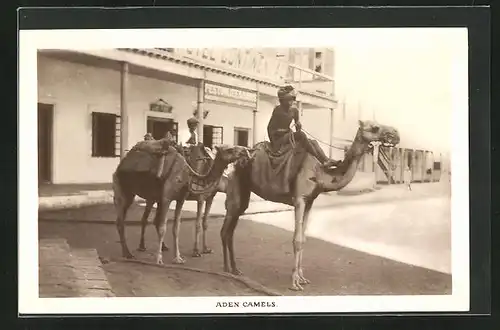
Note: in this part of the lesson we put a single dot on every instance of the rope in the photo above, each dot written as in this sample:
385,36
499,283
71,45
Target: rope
324,143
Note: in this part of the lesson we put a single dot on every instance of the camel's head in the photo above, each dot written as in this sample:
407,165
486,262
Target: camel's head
371,131
230,154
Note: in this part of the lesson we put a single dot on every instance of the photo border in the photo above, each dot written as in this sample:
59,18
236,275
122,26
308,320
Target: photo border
476,19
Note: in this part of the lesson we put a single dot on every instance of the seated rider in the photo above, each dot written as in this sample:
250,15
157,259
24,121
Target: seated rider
279,126
148,137
193,123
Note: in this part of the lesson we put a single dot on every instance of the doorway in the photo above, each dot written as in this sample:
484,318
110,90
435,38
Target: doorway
158,127
45,127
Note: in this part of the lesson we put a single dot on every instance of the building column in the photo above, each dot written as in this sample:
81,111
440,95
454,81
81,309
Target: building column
375,162
200,109
330,150
123,109
403,164
254,119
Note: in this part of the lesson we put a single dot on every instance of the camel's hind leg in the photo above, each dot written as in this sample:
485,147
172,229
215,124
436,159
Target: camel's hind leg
122,201
298,241
237,200
144,223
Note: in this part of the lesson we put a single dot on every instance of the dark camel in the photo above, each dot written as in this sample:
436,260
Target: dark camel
180,181
201,163
311,180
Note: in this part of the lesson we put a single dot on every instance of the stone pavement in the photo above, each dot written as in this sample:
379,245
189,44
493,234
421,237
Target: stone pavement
66,272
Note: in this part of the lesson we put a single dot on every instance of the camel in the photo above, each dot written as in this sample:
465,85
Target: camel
179,181
311,180
201,163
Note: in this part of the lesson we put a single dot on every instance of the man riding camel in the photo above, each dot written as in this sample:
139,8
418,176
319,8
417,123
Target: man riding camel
279,127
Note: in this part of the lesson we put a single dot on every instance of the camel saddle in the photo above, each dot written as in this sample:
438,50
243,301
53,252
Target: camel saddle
153,156
275,168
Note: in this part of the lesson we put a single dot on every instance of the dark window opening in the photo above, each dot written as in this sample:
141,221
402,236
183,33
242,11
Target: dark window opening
318,68
105,135
318,54
241,137
437,166
212,135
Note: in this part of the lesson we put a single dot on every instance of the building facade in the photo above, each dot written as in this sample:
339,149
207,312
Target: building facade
93,105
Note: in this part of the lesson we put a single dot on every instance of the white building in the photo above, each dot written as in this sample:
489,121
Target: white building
95,104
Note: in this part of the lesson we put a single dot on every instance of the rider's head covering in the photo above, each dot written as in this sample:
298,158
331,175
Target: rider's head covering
193,121
148,136
287,92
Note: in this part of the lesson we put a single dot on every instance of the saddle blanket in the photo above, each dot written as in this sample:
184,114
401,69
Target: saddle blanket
274,172
146,161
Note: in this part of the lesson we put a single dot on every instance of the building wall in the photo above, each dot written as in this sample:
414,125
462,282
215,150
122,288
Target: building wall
76,90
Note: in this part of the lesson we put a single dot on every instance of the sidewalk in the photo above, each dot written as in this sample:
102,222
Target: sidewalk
102,200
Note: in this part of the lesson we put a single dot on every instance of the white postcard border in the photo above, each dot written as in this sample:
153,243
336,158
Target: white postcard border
32,40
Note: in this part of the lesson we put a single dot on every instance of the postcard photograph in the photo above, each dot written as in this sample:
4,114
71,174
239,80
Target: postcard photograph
244,170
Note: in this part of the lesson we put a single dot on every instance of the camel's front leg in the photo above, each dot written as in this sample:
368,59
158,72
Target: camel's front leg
208,206
307,212
161,226
178,259
298,240
197,234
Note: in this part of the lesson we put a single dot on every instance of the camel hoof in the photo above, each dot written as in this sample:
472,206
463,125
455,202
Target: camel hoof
207,251
128,255
196,254
159,261
141,248
237,272
164,247
178,261
296,287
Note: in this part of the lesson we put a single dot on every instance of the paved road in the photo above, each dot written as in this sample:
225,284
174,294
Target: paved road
376,248
416,232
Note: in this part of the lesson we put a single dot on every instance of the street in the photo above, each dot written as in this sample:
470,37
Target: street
387,247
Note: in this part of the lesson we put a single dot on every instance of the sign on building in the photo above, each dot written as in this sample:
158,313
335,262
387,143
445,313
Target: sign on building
230,95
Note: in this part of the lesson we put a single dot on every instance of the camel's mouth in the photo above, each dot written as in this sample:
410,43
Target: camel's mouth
390,139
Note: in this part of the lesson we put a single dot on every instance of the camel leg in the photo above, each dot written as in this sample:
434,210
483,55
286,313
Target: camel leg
178,259
144,223
161,226
298,239
236,205
199,210
237,200
307,212
208,206
122,202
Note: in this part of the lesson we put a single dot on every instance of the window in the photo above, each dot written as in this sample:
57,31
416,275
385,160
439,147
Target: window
212,135
158,127
105,135
318,55
241,136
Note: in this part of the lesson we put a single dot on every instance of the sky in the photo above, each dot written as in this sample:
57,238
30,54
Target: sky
404,77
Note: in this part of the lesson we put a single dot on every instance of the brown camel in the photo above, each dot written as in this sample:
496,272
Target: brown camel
179,181
201,163
312,179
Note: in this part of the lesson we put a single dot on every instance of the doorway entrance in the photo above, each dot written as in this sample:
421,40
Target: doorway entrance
158,127
45,126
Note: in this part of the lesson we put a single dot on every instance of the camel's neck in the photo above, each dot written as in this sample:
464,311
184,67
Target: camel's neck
343,175
214,172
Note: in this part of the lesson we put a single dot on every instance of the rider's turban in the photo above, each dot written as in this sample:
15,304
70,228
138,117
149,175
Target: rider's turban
287,92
